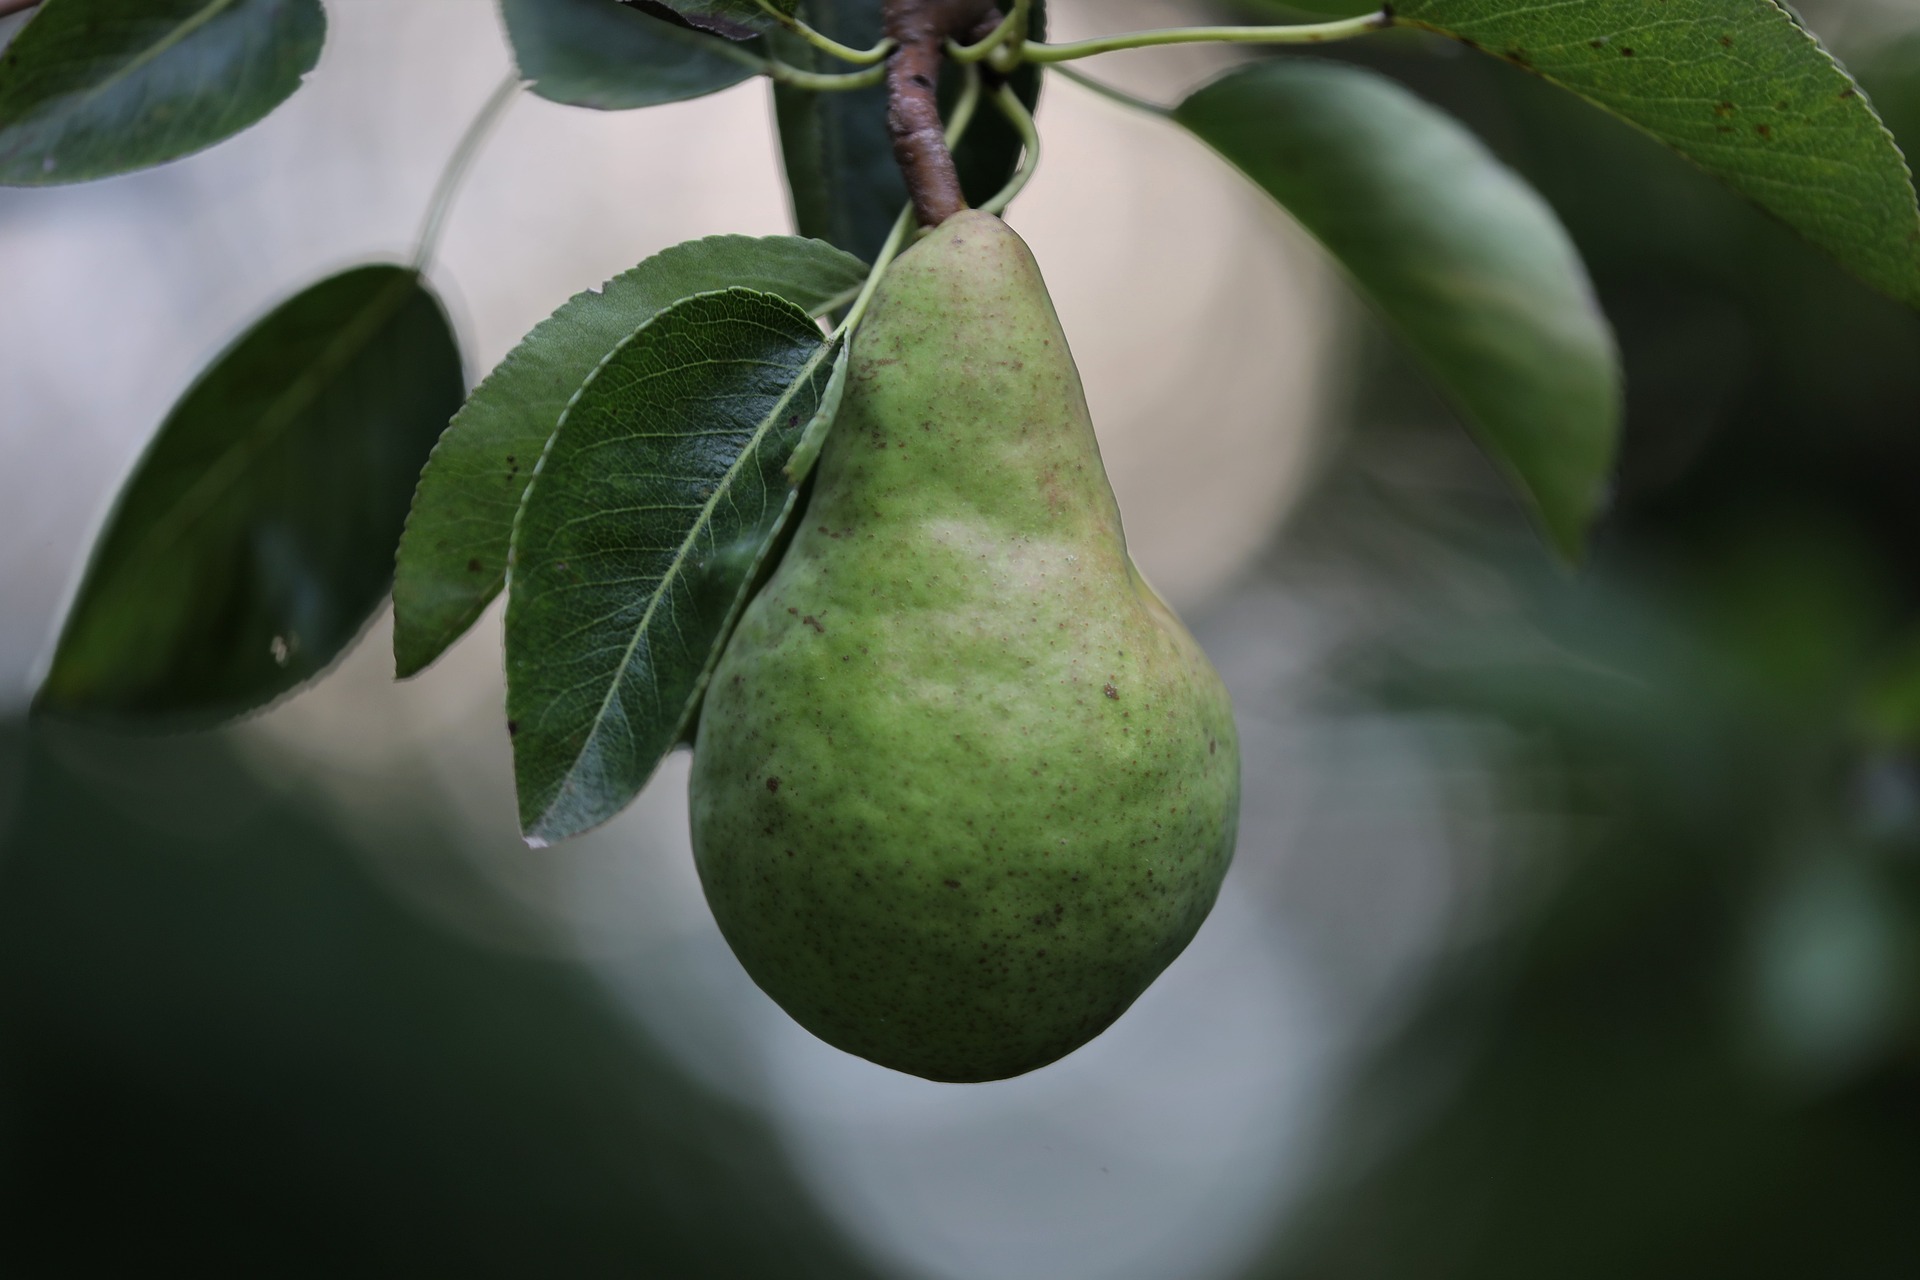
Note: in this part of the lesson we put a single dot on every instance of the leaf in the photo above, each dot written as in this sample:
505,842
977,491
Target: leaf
734,19
845,184
639,538
601,54
91,88
256,536
1455,250
453,556
1737,86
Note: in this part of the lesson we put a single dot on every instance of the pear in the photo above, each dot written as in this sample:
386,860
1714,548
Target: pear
963,785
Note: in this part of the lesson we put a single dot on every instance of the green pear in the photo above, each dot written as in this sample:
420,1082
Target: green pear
963,785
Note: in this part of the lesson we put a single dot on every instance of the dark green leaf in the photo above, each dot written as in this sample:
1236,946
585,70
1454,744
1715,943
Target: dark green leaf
731,18
1740,88
1458,253
453,556
256,536
91,88
599,53
846,187
639,538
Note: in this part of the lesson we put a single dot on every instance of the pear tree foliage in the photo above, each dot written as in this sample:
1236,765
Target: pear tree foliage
630,474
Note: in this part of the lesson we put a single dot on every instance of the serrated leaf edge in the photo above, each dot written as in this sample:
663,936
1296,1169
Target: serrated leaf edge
826,307
1912,294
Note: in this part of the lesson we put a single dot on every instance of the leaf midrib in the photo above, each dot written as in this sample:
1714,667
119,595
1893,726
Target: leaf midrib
207,13
193,504
674,568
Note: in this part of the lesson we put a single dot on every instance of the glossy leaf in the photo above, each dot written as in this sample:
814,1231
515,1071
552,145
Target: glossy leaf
256,536
735,19
638,541
1740,88
1454,249
453,556
845,184
91,88
602,54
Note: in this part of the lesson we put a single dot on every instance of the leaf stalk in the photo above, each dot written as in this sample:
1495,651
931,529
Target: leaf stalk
826,43
1021,119
1109,92
1304,33
824,81
464,153
1011,28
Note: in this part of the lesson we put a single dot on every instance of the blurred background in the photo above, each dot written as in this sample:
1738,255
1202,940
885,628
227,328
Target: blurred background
1575,924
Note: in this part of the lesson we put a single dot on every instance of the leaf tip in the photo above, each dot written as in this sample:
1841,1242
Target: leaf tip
413,651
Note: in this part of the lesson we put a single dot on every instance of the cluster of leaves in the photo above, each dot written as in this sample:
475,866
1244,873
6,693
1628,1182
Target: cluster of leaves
625,473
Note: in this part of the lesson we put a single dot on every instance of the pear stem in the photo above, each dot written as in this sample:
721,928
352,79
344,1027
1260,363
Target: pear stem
921,29
902,225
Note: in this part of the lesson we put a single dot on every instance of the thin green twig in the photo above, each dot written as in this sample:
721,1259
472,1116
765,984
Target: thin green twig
896,239
1022,120
1010,24
825,81
798,77
826,43
457,165
1023,15
1306,33
963,110
1108,92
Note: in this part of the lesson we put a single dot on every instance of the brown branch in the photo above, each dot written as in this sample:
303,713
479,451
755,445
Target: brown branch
921,28
11,7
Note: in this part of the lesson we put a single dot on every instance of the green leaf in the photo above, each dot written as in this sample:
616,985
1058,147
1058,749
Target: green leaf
91,88
1455,250
845,184
638,542
731,18
1737,86
601,54
453,556
256,536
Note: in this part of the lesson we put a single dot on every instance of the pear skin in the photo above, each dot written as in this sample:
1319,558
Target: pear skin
963,786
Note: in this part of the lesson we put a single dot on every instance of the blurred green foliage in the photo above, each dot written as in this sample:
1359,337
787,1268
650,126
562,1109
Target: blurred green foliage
1685,1041
226,1049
